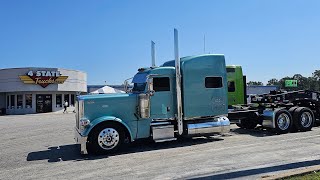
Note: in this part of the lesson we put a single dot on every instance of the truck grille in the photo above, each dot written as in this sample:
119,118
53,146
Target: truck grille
77,114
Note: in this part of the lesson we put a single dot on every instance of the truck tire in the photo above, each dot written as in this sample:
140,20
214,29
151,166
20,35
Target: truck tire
292,111
283,121
106,138
239,125
303,119
247,124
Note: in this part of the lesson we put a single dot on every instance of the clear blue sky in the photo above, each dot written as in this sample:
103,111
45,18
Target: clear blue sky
110,40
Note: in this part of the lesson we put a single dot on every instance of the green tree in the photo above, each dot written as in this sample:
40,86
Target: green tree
303,83
316,75
282,83
273,82
313,84
257,83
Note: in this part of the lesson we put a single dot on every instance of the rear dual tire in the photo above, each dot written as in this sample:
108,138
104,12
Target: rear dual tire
283,121
303,119
295,119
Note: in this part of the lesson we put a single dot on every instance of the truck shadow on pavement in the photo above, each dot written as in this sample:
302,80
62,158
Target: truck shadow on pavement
71,152
257,132
257,171
260,131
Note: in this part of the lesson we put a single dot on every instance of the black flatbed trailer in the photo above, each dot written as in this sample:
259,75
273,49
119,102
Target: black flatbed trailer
279,110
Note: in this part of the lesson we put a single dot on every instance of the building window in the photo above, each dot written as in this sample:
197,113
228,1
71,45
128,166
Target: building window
231,86
161,84
8,102
19,101
213,82
66,98
58,100
28,100
12,101
72,99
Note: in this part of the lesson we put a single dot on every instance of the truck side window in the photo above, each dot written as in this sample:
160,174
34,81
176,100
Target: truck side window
231,86
231,70
213,82
161,84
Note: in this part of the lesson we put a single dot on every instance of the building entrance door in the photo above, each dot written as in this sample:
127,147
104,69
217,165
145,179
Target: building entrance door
44,103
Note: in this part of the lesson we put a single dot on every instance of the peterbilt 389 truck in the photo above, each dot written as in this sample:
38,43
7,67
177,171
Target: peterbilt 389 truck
186,97
164,103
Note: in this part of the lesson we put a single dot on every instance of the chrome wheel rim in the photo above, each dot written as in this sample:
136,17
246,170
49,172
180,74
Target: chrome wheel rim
108,138
306,119
283,121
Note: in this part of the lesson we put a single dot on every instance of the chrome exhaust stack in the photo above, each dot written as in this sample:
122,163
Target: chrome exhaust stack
153,54
178,83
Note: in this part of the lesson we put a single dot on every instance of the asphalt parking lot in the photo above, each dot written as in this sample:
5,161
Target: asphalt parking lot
41,146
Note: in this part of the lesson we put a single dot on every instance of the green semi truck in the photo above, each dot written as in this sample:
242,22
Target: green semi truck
236,85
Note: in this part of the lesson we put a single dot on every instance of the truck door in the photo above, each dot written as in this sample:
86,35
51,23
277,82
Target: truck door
161,102
231,93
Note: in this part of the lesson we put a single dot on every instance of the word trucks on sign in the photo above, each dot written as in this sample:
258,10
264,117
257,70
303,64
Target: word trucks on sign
43,78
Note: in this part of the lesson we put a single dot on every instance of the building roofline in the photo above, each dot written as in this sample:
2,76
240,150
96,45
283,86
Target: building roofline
42,68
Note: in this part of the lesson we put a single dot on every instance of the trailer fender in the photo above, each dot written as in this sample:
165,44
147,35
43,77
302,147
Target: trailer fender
102,119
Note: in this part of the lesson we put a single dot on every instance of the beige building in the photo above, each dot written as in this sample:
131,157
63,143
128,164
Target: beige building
39,90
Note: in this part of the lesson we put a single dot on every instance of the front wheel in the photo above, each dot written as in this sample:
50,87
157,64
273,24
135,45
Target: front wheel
106,138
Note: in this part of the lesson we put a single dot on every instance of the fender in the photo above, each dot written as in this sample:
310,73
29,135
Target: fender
104,119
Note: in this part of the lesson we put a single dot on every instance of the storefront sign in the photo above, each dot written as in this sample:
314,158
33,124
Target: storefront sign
43,78
291,83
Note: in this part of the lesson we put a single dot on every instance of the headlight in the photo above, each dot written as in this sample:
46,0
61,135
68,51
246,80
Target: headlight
84,122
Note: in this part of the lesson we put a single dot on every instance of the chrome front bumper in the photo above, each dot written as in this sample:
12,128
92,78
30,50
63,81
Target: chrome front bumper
81,140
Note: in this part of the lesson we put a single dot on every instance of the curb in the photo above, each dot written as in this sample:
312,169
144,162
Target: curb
292,172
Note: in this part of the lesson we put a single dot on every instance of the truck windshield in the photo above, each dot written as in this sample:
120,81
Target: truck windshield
139,82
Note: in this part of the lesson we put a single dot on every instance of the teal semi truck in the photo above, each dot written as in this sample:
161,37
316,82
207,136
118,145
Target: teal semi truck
188,99
184,97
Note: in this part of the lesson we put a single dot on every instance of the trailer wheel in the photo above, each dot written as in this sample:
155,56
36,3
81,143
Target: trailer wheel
303,119
106,138
283,121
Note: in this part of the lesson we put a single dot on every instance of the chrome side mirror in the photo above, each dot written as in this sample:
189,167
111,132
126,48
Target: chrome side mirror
126,85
